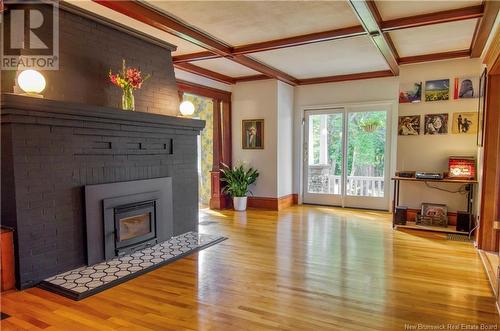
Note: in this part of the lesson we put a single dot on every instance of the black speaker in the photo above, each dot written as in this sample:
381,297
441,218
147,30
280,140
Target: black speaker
464,221
401,215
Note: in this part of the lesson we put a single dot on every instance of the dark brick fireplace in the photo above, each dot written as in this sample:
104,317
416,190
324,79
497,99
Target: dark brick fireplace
52,149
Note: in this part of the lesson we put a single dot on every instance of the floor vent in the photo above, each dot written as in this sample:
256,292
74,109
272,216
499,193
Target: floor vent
458,237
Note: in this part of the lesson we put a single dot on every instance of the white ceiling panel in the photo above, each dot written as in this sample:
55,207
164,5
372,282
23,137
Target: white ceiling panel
245,22
338,57
434,38
226,67
183,47
397,9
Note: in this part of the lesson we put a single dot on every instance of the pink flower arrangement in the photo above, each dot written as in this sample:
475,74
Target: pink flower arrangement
129,79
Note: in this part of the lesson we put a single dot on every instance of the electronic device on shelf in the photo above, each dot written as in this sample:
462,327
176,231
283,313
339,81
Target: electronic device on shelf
462,167
428,175
464,221
405,174
401,215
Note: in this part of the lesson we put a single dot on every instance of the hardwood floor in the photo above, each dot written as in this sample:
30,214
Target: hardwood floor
303,268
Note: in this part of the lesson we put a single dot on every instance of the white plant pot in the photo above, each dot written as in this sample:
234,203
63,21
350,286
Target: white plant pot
240,203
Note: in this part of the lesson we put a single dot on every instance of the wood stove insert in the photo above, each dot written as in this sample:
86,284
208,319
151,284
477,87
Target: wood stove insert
135,226
127,217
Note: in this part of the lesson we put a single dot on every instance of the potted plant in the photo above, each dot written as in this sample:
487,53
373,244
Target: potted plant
237,180
370,125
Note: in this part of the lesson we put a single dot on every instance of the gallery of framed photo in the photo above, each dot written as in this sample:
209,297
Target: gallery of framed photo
481,109
436,124
410,93
437,90
464,123
252,134
409,125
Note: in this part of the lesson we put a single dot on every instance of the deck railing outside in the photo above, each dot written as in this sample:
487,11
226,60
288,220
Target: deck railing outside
356,185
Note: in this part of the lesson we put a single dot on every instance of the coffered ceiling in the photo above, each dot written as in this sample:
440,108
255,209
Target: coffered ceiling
435,38
330,58
395,9
306,41
245,22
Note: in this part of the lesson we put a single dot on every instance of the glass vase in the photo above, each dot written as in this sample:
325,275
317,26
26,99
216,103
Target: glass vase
128,101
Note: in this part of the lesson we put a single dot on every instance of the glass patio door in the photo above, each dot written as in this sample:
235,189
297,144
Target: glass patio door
323,156
346,154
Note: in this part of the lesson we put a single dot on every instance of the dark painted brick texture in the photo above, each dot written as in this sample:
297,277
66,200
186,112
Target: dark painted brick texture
47,158
46,164
88,50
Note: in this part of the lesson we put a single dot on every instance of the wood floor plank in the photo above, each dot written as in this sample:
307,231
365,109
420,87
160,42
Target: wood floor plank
302,268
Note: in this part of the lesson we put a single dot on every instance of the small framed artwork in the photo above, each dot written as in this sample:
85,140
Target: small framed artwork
436,124
410,93
466,88
252,134
436,90
409,125
434,210
464,123
481,109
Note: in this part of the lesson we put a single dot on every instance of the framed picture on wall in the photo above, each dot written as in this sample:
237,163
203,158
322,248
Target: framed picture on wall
466,88
464,123
436,124
437,90
409,125
252,134
481,108
410,93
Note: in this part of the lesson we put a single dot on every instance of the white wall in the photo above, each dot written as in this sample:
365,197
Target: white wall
428,152
368,90
256,100
280,161
285,139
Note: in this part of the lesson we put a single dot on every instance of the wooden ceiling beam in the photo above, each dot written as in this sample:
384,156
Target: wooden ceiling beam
250,78
484,28
205,91
206,55
310,38
371,20
262,68
434,57
343,78
433,18
306,39
205,73
148,15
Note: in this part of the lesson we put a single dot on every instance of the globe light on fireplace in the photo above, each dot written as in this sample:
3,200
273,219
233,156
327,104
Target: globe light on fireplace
186,108
31,82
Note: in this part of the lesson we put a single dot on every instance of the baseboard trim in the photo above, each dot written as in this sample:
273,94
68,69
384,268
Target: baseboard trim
272,203
491,262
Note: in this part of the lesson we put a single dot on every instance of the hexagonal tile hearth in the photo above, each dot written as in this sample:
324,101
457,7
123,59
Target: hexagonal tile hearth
85,281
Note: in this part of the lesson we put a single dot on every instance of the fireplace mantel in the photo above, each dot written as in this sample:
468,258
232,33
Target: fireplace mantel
52,149
24,109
